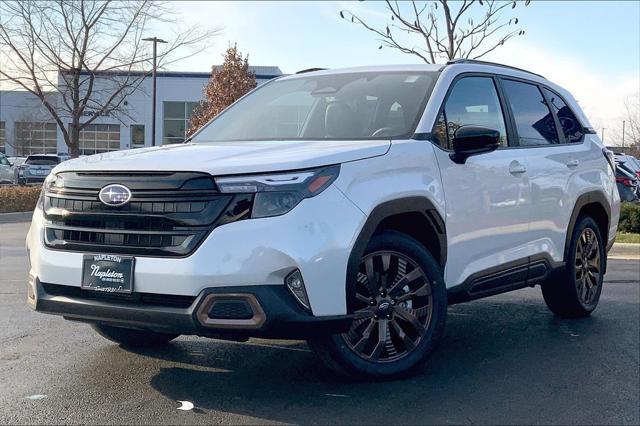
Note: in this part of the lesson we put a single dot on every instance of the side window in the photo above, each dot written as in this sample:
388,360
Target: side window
534,121
472,101
571,127
4,161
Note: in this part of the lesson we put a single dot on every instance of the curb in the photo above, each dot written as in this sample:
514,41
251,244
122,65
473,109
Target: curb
15,217
625,251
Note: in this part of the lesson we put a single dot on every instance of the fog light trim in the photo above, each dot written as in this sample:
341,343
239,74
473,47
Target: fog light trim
295,285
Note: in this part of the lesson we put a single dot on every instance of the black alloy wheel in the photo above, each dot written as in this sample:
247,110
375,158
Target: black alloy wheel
587,267
394,306
574,291
399,305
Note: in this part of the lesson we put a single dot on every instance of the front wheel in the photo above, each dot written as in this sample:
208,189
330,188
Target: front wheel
575,292
131,338
399,306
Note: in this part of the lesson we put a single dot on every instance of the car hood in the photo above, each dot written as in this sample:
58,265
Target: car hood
222,158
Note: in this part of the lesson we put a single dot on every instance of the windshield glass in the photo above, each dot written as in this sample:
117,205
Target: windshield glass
42,161
369,105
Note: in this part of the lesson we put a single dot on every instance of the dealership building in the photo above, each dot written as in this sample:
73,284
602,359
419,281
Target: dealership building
27,128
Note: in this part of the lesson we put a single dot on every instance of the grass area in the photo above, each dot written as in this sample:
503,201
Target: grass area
627,237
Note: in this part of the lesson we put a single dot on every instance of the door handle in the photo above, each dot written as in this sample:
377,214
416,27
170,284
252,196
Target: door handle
573,163
517,168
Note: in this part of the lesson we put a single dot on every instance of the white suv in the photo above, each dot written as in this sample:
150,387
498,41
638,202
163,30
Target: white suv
345,207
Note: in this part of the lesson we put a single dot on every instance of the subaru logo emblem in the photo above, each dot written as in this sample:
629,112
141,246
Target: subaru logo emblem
115,195
384,306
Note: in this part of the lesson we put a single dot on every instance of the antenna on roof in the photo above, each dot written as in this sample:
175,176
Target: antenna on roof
310,70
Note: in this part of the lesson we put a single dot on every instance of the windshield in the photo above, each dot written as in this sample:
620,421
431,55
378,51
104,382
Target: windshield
42,161
369,105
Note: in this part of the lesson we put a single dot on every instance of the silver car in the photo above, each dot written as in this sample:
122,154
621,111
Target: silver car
6,172
35,169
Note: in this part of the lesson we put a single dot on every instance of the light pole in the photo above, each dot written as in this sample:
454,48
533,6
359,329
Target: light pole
155,41
623,123
602,135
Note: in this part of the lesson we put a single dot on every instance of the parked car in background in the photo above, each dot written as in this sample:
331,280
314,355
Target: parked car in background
16,161
630,162
35,169
628,182
64,156
6,171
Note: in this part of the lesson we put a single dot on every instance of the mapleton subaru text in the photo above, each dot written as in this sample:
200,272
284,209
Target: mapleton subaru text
345,207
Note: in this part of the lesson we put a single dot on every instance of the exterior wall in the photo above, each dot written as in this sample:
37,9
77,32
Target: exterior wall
21,106
16,106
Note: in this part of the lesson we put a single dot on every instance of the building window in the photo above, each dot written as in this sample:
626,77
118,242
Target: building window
35,138
137,136
98,138
176,121
2,137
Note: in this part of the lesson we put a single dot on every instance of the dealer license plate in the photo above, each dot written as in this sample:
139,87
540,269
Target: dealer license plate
108,273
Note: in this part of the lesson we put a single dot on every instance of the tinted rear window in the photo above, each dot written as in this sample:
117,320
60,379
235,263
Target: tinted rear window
42,161
534,122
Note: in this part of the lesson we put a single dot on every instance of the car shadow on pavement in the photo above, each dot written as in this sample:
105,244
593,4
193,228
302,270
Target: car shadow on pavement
495,356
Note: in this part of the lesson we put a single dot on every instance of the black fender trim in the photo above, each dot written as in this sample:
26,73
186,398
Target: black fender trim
385,210
525,272
591,197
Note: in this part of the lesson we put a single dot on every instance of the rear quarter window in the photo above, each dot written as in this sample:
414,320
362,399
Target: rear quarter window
570,126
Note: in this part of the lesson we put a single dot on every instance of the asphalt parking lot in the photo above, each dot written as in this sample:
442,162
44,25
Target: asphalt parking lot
504,359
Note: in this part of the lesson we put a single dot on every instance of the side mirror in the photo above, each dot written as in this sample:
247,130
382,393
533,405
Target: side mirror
473,140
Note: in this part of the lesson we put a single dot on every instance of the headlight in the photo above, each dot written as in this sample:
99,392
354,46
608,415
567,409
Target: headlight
278,193
52,181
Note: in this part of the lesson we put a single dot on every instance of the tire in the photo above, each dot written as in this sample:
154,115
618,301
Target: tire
416,292
575,291
131,338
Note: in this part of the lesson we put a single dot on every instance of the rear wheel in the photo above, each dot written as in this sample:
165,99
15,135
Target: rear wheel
129,337
400,307
575,292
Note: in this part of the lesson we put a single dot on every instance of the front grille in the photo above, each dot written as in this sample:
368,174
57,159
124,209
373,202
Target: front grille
169,214
151,299
136,206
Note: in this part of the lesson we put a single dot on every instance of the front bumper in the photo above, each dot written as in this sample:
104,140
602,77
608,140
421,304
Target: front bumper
275,314
316,237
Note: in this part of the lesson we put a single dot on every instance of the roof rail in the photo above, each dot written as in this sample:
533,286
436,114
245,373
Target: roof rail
310,70
477,62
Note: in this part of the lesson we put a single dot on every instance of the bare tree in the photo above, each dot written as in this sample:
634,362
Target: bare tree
632,122
91,51
444,31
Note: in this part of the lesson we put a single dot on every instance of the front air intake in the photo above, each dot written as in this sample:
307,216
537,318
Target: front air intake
230,309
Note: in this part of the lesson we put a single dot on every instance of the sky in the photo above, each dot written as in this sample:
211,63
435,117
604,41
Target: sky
592,48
